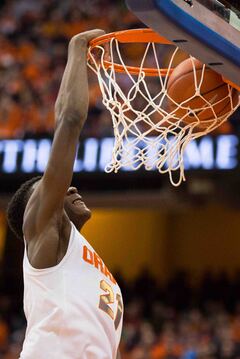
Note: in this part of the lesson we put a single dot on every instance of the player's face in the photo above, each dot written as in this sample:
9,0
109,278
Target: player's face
75,208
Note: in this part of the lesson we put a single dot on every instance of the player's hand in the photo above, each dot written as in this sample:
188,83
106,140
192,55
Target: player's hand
99,53
82,40
72,100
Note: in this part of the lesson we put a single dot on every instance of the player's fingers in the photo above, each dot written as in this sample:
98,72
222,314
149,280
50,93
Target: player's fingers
107,55
87,36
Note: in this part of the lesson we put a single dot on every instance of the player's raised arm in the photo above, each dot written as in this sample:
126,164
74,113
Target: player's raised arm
49,214
71,110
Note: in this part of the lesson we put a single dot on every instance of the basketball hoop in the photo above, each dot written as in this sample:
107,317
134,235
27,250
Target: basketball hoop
147,132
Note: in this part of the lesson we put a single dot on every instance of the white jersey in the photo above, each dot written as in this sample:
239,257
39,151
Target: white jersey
74,310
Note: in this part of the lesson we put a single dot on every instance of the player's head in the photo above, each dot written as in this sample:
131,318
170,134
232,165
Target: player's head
17,205
75,208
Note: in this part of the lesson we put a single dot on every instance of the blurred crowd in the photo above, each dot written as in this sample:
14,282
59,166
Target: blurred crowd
33,50
181,319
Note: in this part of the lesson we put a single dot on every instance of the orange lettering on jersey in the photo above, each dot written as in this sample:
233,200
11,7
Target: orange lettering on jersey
109,275
87,255
98,263
92,258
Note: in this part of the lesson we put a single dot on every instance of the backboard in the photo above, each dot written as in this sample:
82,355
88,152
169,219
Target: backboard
207,29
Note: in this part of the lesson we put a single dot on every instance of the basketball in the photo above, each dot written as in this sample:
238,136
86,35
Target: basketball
212,101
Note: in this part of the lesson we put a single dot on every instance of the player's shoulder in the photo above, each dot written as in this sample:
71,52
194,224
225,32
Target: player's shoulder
47,248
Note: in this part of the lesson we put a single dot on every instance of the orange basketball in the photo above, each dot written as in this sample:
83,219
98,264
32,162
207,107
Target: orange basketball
212,89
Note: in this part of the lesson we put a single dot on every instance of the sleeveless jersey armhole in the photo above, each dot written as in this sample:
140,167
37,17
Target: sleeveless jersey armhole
30,269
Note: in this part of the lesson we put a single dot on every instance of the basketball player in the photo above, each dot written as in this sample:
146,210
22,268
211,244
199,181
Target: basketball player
72,302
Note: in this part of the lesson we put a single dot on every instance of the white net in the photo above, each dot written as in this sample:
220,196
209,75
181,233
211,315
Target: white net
151,127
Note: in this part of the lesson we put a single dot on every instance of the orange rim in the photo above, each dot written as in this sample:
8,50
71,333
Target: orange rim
128,36
133,36
136,70
138,36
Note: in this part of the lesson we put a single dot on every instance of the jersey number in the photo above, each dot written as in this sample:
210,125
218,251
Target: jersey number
108,298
